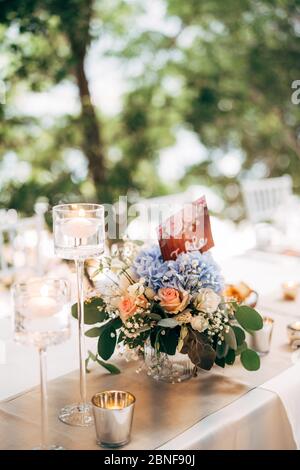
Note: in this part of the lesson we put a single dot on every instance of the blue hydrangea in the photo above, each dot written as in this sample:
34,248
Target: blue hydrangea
190,271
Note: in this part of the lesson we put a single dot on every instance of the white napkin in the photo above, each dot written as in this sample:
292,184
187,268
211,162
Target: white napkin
287,387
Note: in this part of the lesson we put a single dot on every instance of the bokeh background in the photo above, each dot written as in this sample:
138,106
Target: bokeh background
145,98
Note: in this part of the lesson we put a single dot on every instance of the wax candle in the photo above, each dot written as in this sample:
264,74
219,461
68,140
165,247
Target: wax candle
41,306
290,290
293,330
261,339
80,227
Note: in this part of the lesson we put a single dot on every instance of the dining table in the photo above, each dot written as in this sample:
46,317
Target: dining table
228,408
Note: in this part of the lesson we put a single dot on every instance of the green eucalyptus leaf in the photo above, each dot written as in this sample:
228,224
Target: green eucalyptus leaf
239,334
154,316
230,358
250,360
92,356
230,338
156,308
109,367
241,348
94,311
93,332
249,318
107,341
220,362
222,349
168,340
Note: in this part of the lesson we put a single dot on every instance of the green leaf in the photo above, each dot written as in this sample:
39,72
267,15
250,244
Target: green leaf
110,367
93,332
87,365
241,348
107,340
92,356
222,349
154,316
94,311
249,318
230,358
156,308
220,362
230,338
168,341
250,360
239,334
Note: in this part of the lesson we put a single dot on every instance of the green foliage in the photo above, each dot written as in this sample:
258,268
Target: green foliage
108,338
167,340
94,311
249,318
231,98
230,338
239,335
109,367
250,360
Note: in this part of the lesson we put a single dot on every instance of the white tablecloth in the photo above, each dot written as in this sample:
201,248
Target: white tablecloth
267,417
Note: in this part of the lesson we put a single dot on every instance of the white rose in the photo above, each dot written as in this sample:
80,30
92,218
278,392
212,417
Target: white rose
207,300
199,323
136,289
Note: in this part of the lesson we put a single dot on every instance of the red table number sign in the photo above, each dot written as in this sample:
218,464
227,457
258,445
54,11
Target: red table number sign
187,230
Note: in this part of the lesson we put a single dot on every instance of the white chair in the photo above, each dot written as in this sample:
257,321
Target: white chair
263,197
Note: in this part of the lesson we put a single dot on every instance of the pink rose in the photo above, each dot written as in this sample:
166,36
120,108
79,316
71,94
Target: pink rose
127,307
172,300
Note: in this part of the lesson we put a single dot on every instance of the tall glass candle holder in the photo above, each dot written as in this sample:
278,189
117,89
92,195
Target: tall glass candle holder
42,319
79,233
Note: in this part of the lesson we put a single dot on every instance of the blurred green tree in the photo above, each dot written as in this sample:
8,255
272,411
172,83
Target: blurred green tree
226,75
221,70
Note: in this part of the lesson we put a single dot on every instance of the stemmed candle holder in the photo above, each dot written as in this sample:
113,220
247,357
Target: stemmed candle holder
42,319
79,234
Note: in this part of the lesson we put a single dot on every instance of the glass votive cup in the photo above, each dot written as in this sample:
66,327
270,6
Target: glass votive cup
290,290
113,415
261,339
293,331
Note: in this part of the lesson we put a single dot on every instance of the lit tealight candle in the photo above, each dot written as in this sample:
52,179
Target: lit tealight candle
290,290
293,330
41,306
81,226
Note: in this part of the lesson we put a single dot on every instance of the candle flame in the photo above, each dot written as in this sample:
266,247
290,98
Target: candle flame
44,291
81,212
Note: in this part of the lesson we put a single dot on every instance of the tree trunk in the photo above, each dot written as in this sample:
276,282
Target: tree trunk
92,141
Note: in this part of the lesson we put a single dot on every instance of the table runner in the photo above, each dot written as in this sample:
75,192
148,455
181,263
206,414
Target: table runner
163,410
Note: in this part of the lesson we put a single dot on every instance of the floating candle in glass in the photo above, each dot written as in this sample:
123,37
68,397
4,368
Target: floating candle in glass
290,290
293,330
261,339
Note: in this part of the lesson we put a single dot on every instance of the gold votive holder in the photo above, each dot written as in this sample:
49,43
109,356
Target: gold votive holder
113,415
293,331
261,339
290,290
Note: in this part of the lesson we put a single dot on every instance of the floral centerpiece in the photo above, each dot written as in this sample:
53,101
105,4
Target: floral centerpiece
143,303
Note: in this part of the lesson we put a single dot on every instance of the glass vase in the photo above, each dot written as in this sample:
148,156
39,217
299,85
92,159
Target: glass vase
165,368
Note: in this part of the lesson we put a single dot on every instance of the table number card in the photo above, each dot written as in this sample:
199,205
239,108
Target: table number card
187,230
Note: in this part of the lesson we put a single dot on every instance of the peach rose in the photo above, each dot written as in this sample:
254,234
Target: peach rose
127,307
172,300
